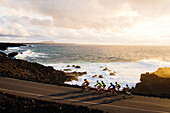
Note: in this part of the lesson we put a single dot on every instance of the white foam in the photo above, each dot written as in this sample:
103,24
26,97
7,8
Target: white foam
126,72
29,53
13,48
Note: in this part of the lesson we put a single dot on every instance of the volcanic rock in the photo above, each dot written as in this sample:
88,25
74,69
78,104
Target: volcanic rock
100,76
4,46
112,73
21,69
94,76
78,66
105,69
154,84
2,54
76,73
12,54
71,77
67,70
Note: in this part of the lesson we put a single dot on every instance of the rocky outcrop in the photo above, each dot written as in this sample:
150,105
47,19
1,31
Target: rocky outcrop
100,76
74,75
2,54
68,66
30,71
112,73
94,76
10,55
154,84
67,70
4,46
78,67
105,69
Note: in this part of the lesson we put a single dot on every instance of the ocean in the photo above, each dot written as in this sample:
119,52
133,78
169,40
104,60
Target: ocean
127,61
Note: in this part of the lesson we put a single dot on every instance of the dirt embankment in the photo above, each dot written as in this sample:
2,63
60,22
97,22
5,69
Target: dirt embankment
12,104
154,84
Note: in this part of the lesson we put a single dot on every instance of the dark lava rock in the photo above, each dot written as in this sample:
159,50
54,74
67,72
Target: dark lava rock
68,66
21,69
105,69
78,66
94,76
100,76
74,75
4,46
12,54
112,73
67,70
2,54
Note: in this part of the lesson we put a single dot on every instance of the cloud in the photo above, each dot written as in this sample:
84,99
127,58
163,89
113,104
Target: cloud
95,21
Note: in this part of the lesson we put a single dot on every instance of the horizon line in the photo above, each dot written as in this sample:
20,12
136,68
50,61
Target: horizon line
72,43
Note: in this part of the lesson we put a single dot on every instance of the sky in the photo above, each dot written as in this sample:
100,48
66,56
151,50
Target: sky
117,22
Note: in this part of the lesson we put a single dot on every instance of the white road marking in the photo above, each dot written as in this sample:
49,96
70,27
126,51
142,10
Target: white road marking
139,109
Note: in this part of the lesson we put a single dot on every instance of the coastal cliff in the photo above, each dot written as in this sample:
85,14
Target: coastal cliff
154,84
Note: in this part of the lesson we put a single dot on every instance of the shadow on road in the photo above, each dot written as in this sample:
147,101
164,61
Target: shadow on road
82,95
94,98
107,98
61,94
110,101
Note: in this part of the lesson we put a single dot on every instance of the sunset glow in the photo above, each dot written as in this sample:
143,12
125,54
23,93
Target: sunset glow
117,22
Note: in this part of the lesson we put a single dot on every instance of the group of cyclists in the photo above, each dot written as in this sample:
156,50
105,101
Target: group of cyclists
101,86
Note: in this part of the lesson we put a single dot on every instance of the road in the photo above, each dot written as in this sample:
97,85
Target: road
107,102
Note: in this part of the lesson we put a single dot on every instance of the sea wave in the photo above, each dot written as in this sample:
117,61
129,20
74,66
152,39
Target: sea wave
126,72
31,54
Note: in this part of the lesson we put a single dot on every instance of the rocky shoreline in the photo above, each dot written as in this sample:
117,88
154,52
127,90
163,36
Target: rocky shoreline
4,46
154,84
11,103
21,69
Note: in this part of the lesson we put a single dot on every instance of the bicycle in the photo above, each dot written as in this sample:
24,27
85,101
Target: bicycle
112,91
126,91
85,88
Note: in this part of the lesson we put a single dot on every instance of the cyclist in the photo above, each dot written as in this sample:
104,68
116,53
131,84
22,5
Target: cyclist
117,86
128,87
111,88
86,83
103,85
99,85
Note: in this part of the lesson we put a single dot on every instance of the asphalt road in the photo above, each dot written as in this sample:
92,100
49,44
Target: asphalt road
107,102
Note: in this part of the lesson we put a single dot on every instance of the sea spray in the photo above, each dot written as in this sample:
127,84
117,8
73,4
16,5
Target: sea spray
126,72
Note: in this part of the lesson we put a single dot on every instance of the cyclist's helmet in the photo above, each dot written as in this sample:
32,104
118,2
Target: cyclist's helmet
85,79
